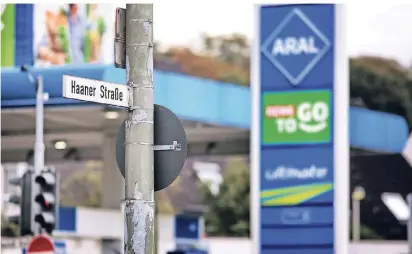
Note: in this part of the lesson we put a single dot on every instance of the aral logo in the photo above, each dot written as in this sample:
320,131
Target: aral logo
295,46
296,117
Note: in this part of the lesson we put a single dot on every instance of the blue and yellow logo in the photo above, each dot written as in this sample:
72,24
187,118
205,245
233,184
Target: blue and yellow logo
294,195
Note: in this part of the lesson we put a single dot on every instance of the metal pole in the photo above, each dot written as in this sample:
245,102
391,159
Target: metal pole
39,143
139,172
409,199
355,220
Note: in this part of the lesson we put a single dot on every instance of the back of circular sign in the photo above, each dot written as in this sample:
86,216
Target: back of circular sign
167,163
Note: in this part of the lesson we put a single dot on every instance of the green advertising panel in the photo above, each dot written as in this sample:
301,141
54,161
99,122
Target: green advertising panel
7,34
302,117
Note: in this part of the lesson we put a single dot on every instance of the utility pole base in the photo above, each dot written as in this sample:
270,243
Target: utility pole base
140,224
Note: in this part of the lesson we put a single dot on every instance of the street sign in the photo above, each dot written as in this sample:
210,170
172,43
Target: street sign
41,244
60,247
95,91
300,158
170,147
187,227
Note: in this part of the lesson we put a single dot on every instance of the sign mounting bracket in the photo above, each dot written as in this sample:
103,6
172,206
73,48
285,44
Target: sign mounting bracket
173,147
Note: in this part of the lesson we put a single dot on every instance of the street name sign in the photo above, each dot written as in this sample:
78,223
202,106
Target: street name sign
95,91
300,148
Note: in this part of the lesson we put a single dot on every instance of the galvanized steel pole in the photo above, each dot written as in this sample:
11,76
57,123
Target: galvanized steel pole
38,146
139,170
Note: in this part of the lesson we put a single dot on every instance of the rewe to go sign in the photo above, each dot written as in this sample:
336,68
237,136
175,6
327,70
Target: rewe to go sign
290,117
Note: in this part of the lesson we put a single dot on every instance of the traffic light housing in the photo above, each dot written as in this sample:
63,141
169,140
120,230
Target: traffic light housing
46,197
24,200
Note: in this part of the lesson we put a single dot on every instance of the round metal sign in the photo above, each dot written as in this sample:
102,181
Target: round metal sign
168,161
40,244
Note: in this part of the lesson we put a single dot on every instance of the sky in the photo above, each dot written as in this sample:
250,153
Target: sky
376,29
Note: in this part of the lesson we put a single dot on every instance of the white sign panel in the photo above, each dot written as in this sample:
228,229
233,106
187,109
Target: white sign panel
95,91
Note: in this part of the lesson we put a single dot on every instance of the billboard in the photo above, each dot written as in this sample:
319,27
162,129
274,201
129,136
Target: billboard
7,34
300,100
73,33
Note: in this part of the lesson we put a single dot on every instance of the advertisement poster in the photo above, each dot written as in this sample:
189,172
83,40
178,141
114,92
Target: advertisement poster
294,96
73,33
7,34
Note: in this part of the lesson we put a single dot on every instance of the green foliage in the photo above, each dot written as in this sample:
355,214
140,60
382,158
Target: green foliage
8,229
163,204
233,49
231,77
366,233
381,84
83,188
228,211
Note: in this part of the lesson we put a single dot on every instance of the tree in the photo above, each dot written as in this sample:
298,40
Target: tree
382,85
366,233
228,210
233,49
8,229
223,58
84,187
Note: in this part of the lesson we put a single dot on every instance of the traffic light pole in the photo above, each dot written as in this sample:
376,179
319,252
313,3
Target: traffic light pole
39,143
139,132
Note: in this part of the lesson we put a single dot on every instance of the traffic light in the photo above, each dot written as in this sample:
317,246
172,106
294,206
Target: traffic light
24,200
47,199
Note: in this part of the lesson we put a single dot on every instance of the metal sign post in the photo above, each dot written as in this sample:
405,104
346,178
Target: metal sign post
146,124
139,175
38,146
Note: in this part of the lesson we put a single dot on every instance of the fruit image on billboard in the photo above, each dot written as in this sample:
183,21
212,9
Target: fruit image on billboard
7,34
73,33
302,117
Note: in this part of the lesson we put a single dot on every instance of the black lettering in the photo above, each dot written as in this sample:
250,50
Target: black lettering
112,95
107,93
102,94
82,90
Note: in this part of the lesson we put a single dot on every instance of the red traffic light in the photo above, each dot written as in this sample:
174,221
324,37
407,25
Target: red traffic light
46,200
